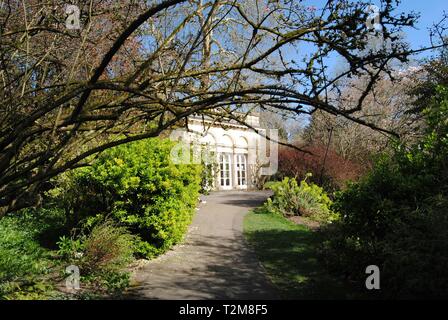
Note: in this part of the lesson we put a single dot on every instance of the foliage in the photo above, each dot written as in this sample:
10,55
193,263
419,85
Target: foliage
28,271
22,261
207,177
114,282
104,79
386,106
209,170
35,290
332,175
139,187
93,211
108,248
304,199
396,217
102,256
435,74
69,248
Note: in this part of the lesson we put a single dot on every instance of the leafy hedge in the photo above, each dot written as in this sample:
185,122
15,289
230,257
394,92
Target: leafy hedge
139,187
397,217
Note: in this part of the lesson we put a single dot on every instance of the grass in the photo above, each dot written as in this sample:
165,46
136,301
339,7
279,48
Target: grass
288,252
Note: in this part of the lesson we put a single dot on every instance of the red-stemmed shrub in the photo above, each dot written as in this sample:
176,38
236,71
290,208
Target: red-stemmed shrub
335,172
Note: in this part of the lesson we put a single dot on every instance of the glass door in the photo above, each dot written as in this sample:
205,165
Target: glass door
241,170
225,173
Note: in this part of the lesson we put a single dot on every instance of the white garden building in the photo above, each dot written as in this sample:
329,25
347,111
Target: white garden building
240,155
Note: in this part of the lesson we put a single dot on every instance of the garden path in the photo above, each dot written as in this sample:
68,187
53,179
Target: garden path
214,261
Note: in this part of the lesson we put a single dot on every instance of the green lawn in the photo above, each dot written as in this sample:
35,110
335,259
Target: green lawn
288,252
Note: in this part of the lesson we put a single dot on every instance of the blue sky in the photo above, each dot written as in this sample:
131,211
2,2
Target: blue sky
430,11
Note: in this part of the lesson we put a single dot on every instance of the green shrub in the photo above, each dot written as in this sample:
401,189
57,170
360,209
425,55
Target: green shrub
308,200
396,217
139,187
69,248
114,282
108,248
107,251
102,255
208,177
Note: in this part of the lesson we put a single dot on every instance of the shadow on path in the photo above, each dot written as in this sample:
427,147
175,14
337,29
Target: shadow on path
214,262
